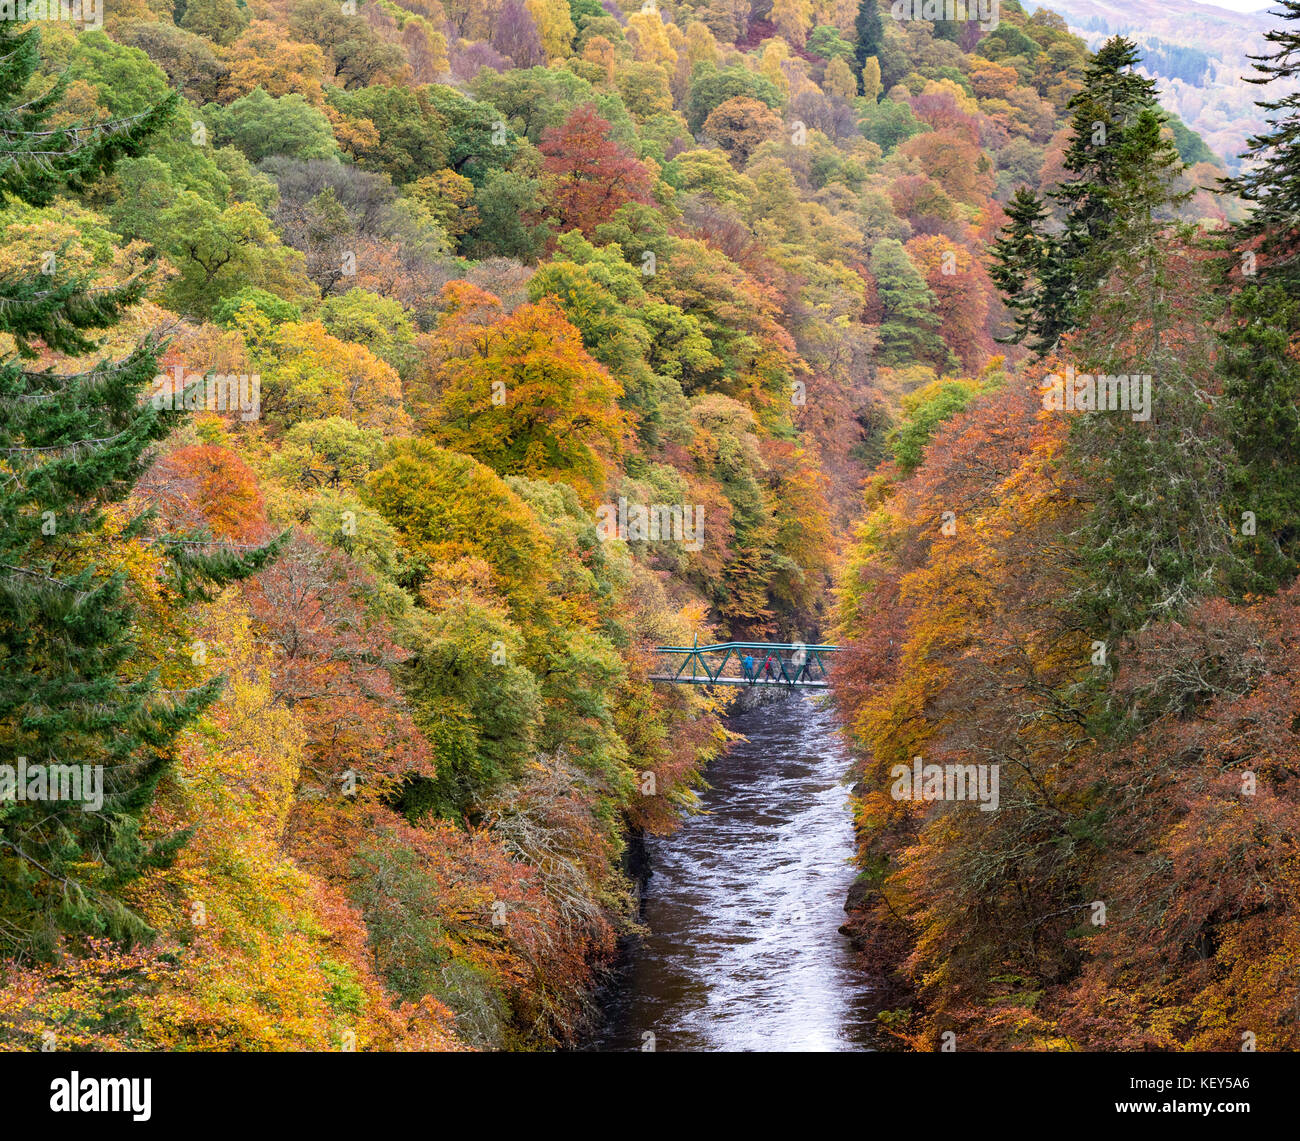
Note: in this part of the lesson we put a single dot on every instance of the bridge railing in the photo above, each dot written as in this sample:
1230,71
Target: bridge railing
793,664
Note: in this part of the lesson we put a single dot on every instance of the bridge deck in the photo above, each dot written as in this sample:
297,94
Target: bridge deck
758,681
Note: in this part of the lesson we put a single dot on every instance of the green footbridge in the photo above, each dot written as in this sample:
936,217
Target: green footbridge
795,665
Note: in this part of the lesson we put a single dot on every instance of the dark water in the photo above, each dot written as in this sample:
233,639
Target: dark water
744,904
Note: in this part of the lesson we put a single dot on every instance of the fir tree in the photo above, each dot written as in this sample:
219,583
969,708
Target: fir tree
37,163
71,445
1103,112
1139,203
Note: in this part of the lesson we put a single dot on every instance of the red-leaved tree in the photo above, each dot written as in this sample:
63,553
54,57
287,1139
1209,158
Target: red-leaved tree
589,176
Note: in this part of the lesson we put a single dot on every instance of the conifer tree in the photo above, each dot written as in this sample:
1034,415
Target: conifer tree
1024,256
909,329
1156,538
1261,391
71,445
1261,374
870,33
1104,112
1271,177
1067,268
1139,201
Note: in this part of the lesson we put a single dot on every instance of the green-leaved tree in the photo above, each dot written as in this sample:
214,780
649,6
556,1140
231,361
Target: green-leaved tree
71,445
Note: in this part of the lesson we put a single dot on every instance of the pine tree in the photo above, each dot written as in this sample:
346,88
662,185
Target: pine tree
71,444
1271,180
870,33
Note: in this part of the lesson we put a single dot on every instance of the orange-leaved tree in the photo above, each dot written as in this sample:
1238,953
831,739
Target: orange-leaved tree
523,396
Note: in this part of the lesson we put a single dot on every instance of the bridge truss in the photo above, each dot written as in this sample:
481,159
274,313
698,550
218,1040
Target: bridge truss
795,665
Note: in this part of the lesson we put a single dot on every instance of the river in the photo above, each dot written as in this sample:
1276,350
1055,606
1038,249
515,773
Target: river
744,902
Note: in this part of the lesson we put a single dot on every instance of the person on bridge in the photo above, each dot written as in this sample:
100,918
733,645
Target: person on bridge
748,663
767,667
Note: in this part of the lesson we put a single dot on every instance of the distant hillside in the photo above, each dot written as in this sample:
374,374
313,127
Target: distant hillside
1198,52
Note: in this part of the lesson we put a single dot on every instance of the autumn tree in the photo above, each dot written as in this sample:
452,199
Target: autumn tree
738,125
81,682
712,86
793,19
839,79
216,486
307,374
516,35
261,57
336,660
870,75
360,57
523,396
554,26
589,176
219,20
962,294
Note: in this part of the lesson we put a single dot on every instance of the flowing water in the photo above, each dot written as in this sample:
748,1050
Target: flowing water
744,902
